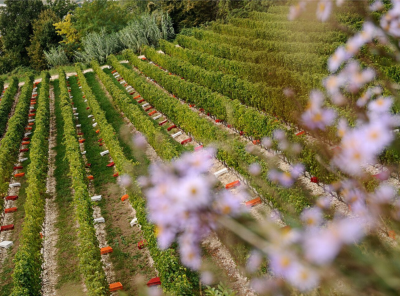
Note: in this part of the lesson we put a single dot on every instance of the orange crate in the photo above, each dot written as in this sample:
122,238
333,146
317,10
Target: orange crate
106,250
124,197
253,202
116,286
90,177
19,175
233,184
26,143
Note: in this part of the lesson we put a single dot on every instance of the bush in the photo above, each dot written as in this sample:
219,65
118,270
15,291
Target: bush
56,57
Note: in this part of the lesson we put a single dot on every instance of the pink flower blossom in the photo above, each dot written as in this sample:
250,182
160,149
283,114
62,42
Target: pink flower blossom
312,217
303,278
337,59
324,9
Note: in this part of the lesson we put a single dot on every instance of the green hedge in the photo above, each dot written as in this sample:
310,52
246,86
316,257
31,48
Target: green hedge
279,35
267,45
296,26
9,145
88,250
6,104
28,259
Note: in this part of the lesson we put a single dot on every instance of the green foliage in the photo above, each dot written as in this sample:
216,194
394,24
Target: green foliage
98,14
56,56
9,145
28,259
233,149
107,132
189,13
174,277
44,37
279,35
146,30
264,45
6,103
221,290
98,46
62,7
16,27
155,135
88,251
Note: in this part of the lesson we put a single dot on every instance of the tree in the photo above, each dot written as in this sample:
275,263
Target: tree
69,34
93,16
16,28
189,13
62,7
44,37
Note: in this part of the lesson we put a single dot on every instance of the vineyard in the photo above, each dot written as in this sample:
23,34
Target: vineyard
74,147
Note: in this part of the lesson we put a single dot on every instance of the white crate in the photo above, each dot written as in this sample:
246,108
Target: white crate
6,244
177,134
134,222
157,117
90,116
99,220
83,153
221,172
105,152
96,198
23,159
13,185
94,124
78,125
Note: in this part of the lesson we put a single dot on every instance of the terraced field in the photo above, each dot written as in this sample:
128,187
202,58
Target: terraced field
74,223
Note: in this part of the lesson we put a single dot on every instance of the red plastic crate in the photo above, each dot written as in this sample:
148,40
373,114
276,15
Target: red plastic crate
7,227
186,141
163,122
253,202
111,164
141,244
154,282
233,184
12,197
11,210
18,167
171,127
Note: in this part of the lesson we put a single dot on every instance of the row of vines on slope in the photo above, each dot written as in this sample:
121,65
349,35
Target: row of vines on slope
174,277
88,250
12,138
246,119
232,150
6,104
28,259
